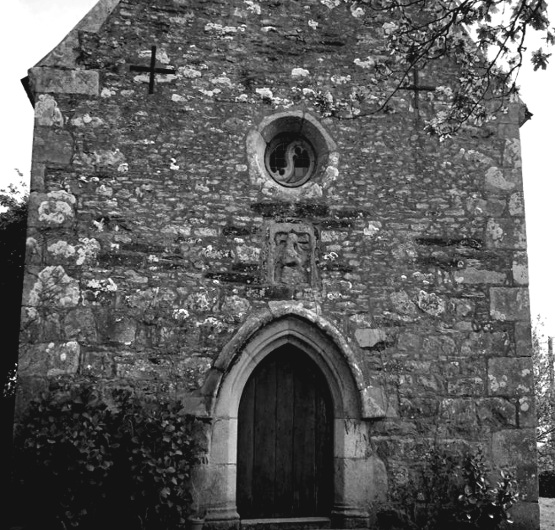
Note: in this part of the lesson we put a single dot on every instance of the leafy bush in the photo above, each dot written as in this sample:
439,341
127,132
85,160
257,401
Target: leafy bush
82,463
482,506
547,484
452,491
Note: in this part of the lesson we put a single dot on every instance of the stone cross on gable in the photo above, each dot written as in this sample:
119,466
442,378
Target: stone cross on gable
416,87
152,70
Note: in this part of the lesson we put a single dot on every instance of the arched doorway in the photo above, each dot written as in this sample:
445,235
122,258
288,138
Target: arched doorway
353,400
285,439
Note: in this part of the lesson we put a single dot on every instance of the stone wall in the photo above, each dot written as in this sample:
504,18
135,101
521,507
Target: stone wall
151,223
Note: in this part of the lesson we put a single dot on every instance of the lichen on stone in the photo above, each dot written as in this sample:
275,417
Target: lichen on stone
54,288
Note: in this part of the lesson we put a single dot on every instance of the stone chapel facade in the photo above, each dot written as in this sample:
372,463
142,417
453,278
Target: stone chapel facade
208,219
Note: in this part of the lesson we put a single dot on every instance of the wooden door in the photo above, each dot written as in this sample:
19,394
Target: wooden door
285,439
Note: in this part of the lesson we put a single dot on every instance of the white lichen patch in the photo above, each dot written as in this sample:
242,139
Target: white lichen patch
497,384
265,93
211,252
389,27
498,315
365,63
431,303
58,208
516,204
495,231
372,229
496,179
253,7
201,301
299,72
520,268
173,164
247,253
54,288
313,24
47,112
103,158
511,155
340,79
332,173
107,93
161,55
331,4
180,314
226,32
87,120
87,250
524,403
63,358
61,249
101,286
210,93
188,72
236,307
357,12
162,78
222,80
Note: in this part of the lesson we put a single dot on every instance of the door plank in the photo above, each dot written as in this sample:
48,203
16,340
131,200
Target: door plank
264,467
245,445
303,445
284,431
324,453
285,439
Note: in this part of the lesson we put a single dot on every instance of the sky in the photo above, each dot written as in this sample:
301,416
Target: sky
29,29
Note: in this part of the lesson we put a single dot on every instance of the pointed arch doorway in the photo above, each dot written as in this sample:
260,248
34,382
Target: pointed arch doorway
352,402
285,439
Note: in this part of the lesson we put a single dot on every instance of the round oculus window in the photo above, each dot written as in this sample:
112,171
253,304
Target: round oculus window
290,159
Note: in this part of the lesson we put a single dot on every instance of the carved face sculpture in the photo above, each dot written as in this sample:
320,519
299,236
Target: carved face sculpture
291,254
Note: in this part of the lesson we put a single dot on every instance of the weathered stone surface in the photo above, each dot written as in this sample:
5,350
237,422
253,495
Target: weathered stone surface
509,303
54,146
510,376
523,339
514,450
520,268
472,275
57,81
160,246
506,233
498,413
52,359
367,338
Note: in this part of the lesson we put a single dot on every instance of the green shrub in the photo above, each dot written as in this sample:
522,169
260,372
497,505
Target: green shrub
547,484
483,506
82,463
451,490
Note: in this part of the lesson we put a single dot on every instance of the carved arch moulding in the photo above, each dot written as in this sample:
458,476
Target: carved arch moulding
354,399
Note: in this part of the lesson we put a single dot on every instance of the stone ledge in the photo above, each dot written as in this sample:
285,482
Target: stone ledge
57,81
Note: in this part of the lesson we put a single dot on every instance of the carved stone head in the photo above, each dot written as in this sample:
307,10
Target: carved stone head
291,256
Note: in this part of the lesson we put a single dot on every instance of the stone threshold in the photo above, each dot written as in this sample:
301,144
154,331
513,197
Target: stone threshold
295,523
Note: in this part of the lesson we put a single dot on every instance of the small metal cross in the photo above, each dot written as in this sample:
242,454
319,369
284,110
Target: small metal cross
416,87
152,70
